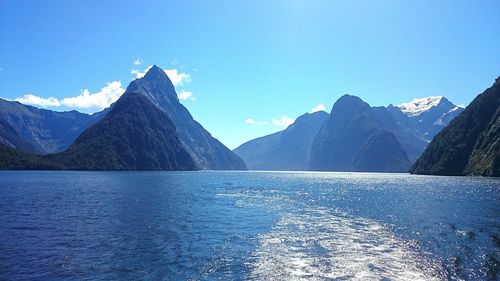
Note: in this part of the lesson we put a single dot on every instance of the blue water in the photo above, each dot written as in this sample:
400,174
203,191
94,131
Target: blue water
247,226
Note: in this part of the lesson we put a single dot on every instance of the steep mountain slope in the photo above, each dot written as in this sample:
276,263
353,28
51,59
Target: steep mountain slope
286,150
41,130
134,135
208,152
353,139
469,145
10,138
485,158
411,140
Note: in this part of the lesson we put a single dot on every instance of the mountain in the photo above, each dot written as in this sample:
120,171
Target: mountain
207,151
39,130
285,150
470,144
414,124
417,122
10,138
411,140
353,139
430,115
134,135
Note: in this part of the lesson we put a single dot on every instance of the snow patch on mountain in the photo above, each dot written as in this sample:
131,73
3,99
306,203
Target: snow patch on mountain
448,116
419,106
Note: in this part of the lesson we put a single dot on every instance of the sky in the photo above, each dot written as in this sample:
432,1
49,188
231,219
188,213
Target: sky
248,68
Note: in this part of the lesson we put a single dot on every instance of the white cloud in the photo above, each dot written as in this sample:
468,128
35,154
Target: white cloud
178,78
284,121
107,95
87,100
319,107
138,73
98,100
251,121
186,95
31,99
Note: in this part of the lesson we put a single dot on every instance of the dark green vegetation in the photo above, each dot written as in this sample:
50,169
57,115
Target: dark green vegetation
286,150
470,144
13,159
134,135
353,139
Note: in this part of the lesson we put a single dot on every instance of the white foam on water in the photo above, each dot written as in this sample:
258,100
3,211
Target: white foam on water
321,244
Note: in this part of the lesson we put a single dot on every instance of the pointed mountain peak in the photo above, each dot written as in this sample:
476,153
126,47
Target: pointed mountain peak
155,73
157,86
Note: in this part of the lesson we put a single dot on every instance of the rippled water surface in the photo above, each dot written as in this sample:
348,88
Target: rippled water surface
247,226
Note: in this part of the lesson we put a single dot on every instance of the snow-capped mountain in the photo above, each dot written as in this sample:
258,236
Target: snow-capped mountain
418,106
431,114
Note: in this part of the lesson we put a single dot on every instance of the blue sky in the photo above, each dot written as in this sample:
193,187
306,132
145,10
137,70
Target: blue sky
268,61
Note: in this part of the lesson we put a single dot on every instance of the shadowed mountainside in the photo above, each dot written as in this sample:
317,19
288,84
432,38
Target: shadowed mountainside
470,144
134,135
41,130
353,139
207,151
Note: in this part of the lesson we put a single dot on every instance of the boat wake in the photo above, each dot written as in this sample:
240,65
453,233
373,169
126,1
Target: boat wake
318,244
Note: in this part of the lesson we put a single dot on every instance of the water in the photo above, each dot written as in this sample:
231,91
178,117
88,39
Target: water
247,226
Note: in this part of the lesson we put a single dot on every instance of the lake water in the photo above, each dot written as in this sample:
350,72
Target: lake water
247,226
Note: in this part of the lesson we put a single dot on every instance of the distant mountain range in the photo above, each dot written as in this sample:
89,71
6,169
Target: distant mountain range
354,137
148,130
429,115
289,149
470,144
39,130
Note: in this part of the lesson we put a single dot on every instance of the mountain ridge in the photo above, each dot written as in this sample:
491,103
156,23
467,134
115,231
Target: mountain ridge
134,135
285,150
353,139
207,151
470,144
45,131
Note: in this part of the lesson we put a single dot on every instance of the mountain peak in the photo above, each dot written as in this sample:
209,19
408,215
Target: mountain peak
313,117
154,73
156,85
349,98
421,105
349,104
